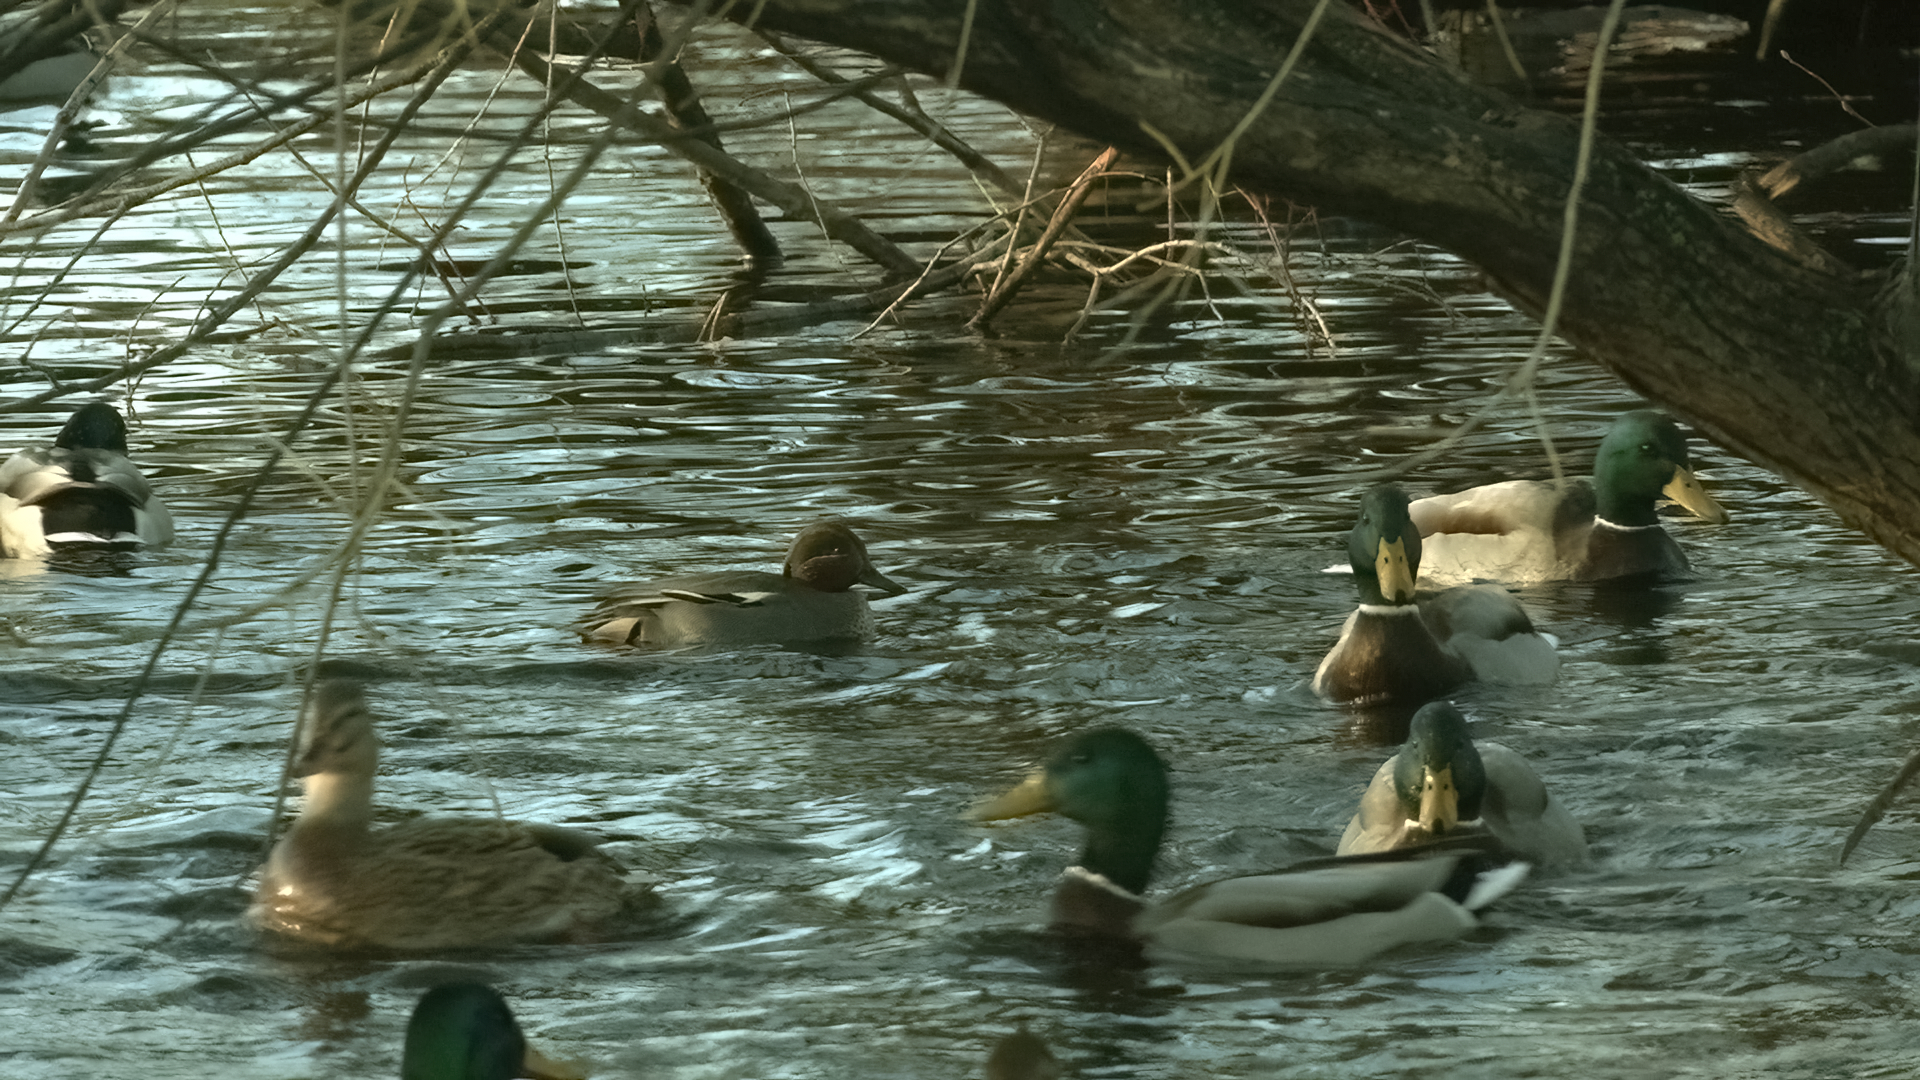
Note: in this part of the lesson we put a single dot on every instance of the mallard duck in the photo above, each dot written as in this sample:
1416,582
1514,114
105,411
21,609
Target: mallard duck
1527,531
1442,783
811,599
464,1031
80,492
1327,912
1394,649
428,883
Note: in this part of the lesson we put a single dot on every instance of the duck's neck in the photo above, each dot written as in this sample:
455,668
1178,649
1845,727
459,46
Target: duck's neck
1124,855
1622,509
337,802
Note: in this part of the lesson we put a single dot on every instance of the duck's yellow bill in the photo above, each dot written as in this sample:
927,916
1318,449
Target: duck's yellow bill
1030,797
1685,489
1439,802
1396,576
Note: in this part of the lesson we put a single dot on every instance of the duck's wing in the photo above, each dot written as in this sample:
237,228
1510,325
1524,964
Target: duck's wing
1336,913
1487,628
1523,815
623,608
1510,506
18,478
32,475
1380,824
738,588
1519,530
1302,897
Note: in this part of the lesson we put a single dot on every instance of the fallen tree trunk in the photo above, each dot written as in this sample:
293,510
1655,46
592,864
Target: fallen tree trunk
1783,364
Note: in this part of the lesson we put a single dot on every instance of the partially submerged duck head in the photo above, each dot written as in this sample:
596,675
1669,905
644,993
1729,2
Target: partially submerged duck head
464,1031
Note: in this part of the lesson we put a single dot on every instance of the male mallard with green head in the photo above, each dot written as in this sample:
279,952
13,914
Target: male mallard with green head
1442,783
82,492
811,599
427,883
1395,649
1527,531
1330,913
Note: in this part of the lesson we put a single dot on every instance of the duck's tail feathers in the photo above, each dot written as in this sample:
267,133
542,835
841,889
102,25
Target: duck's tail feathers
1491,885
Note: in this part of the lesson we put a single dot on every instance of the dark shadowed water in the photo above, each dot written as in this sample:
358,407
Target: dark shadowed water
1092,535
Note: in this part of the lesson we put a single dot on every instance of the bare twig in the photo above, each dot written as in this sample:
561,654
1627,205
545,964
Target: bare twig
906,113
1004,290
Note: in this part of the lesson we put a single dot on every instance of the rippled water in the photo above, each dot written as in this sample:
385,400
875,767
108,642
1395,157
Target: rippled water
1091,536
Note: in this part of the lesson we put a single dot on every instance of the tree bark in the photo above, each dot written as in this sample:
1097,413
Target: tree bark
1784,365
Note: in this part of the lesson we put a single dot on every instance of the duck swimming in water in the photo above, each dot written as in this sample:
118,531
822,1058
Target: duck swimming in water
1330,912
811,599
1529,531
82,492
1396,649
427,883
1442,783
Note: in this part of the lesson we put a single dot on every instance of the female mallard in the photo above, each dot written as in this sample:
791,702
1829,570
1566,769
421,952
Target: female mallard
1442,783
81,492
1329,912
464,1031
1528,531
1396,650
811,599
428,883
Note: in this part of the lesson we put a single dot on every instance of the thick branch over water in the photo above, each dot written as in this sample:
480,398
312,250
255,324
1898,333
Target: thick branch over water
1782,364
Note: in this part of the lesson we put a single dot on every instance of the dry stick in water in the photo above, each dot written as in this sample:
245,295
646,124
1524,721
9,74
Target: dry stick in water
1878,807
1076,195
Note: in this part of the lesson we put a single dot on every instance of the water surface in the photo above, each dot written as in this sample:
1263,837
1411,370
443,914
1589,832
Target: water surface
1092,535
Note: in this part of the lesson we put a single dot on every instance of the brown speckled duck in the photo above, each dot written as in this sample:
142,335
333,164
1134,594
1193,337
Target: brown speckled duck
429,883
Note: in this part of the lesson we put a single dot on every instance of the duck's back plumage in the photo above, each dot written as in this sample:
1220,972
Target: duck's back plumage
1521,531
1328,915
812,599
740,607
439,883
82,491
